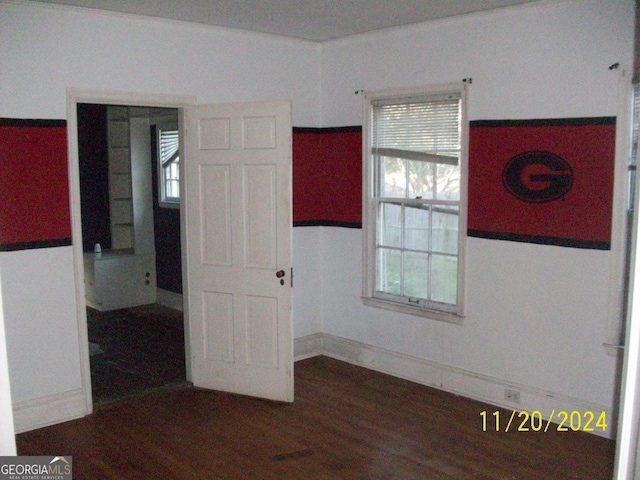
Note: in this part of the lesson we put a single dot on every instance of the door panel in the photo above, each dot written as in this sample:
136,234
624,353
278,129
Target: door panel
215,218
260,216
218,332
238,213
262,331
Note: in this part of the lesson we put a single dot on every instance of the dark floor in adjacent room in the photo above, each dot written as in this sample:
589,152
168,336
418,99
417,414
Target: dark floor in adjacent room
346,422
135,350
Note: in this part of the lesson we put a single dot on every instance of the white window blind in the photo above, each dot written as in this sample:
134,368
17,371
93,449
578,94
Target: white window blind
425,130
169,146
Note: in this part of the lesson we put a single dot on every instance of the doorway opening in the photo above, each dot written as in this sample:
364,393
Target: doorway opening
131,249
257,140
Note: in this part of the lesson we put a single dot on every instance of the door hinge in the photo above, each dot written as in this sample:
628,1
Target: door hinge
291,277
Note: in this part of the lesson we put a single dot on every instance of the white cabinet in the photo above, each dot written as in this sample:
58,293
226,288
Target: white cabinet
116,280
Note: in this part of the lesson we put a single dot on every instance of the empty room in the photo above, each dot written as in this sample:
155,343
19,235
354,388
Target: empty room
395,239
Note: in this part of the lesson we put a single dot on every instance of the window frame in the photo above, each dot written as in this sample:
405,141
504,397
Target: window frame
163,200
448,313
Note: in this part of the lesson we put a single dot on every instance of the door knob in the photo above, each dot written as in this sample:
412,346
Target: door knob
280,273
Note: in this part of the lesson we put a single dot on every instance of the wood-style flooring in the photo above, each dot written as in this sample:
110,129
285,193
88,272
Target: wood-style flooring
346,423
135,350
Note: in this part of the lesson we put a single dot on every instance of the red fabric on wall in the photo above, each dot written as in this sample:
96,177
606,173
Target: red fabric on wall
34,188
327,176
327,180
308,202
34,183
341,181
580,218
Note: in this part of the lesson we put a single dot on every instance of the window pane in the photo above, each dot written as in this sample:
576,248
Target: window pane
393,177
390,227
421,179
444,229
389,268
444,283
172,189
416,227
448,182
416,275
174,171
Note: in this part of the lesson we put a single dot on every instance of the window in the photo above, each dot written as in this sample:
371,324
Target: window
415,202
169,166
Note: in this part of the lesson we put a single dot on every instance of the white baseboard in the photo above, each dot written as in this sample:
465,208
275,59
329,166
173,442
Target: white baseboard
50,410
455,380
169,299
307,347
70,405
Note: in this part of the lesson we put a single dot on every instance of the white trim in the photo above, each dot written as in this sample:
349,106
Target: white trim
307,347
118,97
78,257
483,388
49,410
75,96
613,341
175,205
441,316
627,440
169,299
455,314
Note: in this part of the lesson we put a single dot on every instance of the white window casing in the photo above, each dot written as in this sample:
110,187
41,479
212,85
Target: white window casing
415,219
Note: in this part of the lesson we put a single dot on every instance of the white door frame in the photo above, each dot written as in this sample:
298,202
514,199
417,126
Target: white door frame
626,465
103,97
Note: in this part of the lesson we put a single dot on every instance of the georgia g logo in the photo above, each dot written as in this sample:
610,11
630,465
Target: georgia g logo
537,176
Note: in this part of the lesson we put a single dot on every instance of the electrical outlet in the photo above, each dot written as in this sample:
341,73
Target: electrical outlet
512,395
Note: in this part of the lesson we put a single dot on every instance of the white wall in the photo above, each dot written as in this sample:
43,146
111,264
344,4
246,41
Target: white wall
547,60
307,281
40,322
48,49
536,315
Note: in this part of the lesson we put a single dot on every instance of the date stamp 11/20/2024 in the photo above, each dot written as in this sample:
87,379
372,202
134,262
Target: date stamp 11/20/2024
535,421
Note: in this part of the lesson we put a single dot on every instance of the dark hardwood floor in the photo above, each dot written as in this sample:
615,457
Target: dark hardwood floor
135,350
346,423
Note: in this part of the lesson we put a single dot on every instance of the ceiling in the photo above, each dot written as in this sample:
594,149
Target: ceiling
315,20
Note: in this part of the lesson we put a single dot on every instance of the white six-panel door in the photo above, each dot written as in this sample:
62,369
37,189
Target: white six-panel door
238,215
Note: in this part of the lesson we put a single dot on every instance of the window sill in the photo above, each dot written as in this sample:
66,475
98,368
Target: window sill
174,205
419,312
